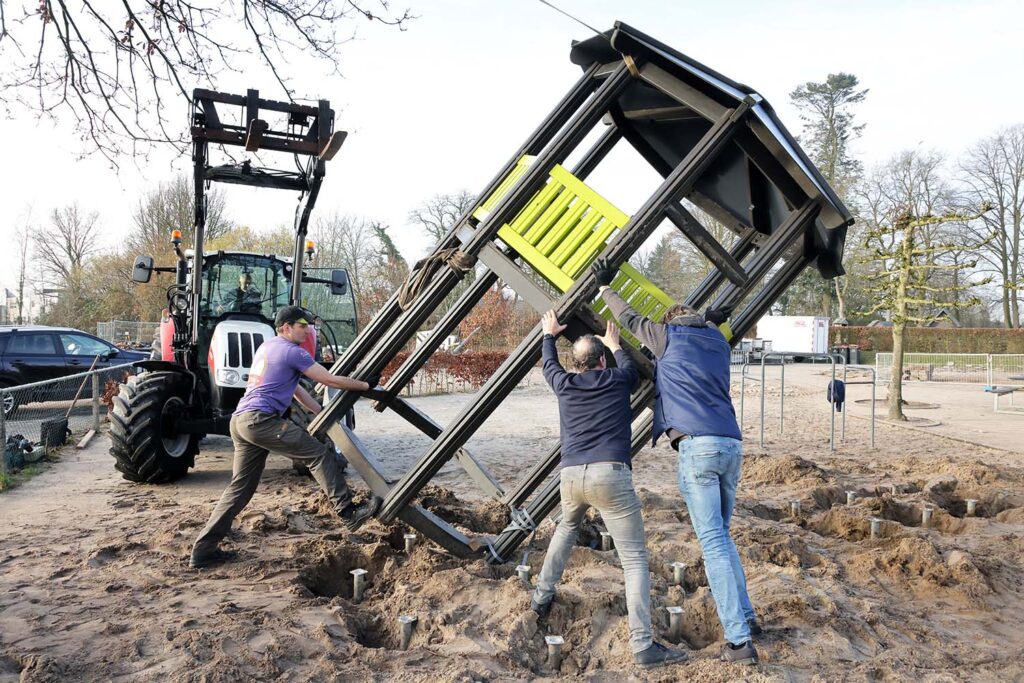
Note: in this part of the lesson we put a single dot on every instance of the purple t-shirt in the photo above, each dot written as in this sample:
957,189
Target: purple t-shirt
274,376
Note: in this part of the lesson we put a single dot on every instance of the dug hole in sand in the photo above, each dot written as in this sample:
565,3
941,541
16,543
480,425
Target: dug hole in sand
94,582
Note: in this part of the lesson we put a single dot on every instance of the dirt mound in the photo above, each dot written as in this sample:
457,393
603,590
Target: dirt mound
782,469
918,565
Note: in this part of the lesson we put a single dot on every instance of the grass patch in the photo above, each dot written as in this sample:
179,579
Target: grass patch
12,480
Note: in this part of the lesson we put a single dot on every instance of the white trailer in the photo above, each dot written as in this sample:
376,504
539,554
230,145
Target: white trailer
795,333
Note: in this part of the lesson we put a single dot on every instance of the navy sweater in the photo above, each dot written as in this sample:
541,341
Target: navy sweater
593,408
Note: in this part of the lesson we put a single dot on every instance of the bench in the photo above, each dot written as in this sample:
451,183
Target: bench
1000,391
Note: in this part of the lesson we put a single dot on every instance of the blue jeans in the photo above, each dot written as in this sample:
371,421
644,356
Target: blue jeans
709,470
609,488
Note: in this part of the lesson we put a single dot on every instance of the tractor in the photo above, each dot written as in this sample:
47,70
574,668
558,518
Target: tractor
222,304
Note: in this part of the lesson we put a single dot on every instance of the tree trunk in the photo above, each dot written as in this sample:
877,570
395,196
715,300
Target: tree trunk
896,381
840,283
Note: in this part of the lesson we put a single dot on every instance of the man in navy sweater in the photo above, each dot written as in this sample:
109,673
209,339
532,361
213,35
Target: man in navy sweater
694,410
594,419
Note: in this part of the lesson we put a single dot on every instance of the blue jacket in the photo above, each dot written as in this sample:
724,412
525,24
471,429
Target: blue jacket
692,385
593,408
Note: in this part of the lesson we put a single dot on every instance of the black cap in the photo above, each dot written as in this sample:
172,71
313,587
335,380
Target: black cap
291,315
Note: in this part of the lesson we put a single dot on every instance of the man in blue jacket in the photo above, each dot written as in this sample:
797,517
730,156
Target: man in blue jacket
693,409
594,420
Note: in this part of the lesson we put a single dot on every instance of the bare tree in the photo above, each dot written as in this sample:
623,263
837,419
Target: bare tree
115,67
439,214
64,246
23,237
994,174
171,206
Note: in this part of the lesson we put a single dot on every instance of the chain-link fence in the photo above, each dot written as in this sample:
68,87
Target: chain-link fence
43,415
128,333
955,368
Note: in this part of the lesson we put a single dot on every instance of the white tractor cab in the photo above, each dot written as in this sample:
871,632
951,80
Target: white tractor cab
222,306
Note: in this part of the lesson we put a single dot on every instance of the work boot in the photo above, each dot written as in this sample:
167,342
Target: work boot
211,558
658,655
542,609
744,653
755,628
354,515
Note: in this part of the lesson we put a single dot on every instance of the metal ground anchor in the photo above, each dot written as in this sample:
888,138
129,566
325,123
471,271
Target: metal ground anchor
408,622
675,622
678,572
794,508
850,497
607,543
358,584
410,542
926,517
972,507
554,651
876,527
523,570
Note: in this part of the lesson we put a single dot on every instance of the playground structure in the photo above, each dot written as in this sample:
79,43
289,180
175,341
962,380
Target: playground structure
830,358
538,226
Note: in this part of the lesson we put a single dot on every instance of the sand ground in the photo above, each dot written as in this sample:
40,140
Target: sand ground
94,582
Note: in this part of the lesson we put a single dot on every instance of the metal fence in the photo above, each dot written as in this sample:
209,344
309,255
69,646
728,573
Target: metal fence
127,332
955,368
43,414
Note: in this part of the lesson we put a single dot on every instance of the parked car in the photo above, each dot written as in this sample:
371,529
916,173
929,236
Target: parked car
32,353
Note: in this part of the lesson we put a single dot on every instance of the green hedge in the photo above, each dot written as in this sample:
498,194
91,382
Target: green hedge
934,339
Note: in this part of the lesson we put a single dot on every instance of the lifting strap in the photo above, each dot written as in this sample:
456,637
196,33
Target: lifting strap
424,270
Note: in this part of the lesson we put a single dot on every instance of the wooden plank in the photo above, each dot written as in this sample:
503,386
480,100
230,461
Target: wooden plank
333,145
681,92
706,243
255,135
86,439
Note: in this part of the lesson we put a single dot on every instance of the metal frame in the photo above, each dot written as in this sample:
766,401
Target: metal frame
610,83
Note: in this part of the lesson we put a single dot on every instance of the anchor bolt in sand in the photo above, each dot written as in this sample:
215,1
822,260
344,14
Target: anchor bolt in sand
408,622
850,497
894,489
926,517
876,527
675,622
554,650
523,570
794,508
410,542
606,541
678,572
972,507
358,584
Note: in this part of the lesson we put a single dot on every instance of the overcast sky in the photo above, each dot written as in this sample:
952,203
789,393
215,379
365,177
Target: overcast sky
442,105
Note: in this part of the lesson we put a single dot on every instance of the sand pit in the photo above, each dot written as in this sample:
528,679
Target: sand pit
94,582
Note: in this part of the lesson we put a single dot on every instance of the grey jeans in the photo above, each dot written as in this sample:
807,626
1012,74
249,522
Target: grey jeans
255,434
609,488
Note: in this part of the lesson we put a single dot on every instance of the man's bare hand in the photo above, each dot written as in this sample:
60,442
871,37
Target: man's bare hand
611,337
549,322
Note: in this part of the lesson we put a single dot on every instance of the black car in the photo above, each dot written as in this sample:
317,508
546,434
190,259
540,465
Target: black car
32,353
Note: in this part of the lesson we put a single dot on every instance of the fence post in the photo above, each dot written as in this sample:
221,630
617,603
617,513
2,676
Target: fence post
988,363
3,438
96,402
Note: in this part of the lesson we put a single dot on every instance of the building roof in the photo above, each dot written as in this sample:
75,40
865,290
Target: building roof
757,181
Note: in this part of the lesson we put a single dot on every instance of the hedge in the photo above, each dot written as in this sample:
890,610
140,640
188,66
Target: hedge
934,339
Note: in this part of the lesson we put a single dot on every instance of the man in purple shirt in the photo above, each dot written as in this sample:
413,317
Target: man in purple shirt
259,426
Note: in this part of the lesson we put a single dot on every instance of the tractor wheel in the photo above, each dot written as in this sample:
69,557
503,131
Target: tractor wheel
143,441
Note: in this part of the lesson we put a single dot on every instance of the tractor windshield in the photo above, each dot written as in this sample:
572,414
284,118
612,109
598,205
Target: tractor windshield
245,283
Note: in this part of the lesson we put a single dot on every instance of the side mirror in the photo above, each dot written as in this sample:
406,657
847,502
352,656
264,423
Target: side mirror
339,282
142,271
109,353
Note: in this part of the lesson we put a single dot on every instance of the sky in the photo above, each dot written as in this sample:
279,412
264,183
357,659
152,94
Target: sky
441,106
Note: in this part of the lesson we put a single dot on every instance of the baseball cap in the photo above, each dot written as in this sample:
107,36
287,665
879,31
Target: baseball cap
290,315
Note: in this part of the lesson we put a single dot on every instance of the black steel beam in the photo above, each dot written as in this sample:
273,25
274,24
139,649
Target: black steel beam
423,422
798,221
705,243
429,524
759,305
679,182
739,250
540,137
445,280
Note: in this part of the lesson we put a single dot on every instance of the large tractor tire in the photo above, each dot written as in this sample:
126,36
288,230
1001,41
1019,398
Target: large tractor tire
143,441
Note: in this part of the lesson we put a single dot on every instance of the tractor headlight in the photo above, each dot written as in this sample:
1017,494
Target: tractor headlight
227,376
